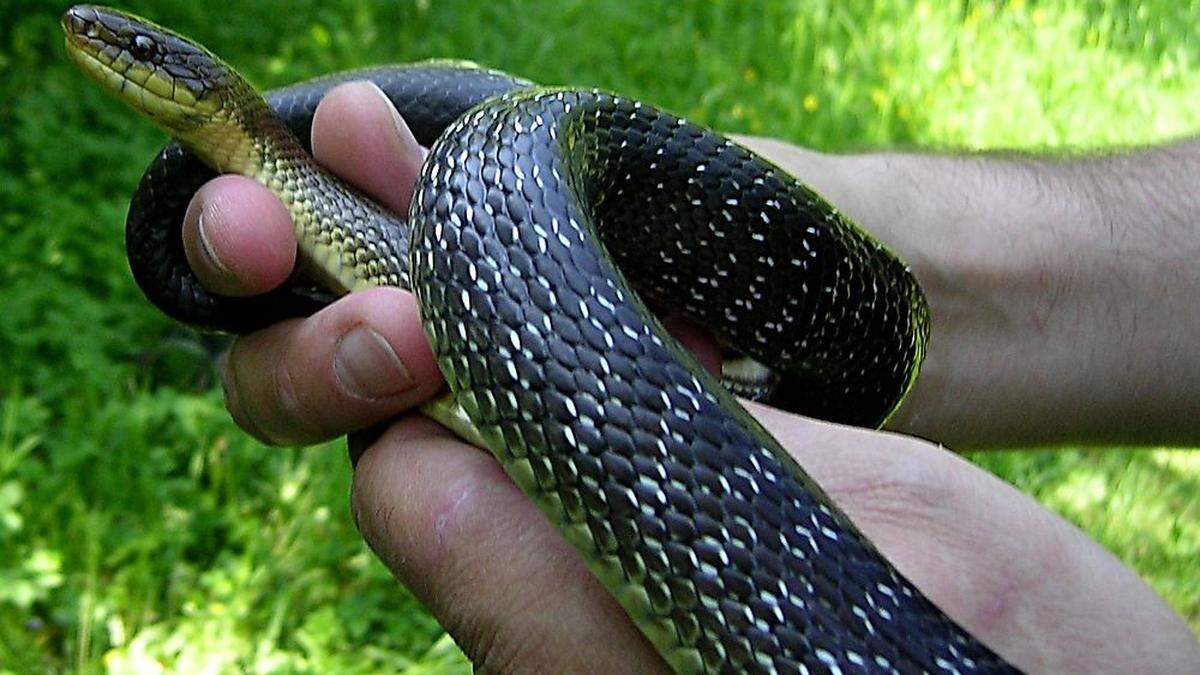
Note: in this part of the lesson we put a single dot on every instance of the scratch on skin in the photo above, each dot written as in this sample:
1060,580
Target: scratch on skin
446,514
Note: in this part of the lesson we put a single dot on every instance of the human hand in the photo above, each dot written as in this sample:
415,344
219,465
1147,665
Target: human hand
1062,289
448,522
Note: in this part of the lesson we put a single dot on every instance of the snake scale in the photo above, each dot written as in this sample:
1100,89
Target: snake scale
537,213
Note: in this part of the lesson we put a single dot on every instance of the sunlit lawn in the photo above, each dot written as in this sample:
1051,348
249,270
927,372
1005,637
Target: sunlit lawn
139,528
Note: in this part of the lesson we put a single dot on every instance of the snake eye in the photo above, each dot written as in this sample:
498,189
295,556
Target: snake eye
142,48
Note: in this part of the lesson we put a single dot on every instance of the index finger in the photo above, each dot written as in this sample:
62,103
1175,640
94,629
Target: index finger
238,237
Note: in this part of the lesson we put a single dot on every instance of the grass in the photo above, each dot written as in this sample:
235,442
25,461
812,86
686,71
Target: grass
140,531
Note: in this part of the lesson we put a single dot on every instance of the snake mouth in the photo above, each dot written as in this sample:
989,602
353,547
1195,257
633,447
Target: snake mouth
140,67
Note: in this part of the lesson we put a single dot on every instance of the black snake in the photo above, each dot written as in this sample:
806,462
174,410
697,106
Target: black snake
537,213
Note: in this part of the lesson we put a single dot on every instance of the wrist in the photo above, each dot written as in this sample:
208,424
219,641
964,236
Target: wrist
1058,305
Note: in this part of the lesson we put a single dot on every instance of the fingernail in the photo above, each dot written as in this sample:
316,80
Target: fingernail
207,244
397,122
206,247
368,367
403,133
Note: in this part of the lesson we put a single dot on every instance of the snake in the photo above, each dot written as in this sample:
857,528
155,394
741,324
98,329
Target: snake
546,227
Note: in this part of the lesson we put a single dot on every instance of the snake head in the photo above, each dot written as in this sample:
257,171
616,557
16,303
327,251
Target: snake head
179,85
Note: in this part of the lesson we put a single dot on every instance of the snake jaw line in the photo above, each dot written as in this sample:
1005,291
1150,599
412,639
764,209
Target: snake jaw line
158,73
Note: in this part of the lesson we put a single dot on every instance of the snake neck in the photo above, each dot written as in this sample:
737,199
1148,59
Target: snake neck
346,241
334,223
245,142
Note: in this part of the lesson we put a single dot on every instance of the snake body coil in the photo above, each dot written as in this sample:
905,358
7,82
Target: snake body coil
537,213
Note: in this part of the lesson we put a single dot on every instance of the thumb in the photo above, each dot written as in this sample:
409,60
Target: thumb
357,134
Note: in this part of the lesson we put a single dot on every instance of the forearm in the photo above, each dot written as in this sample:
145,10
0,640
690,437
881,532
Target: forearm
1065,294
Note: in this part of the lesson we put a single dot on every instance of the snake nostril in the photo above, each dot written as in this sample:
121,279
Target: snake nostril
71,22
75,21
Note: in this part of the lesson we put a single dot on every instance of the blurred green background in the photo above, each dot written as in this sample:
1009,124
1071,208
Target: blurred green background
139,530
